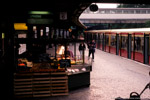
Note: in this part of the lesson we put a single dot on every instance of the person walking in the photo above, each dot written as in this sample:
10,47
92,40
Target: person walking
81,49
91,47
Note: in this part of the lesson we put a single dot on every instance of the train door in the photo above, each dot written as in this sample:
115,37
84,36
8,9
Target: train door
124,44
146,49
132,46
138,47
113,43
107,42
102,41
98,41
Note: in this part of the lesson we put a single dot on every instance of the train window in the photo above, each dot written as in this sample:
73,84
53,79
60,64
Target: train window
139,44
143,11
107,40
101,39
124,42
102,11
132,43
126,11
137,11
107,11
148,11
131,12
113,40
119,11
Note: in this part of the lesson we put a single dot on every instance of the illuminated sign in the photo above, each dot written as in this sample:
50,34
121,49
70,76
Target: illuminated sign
40,12
3,35
20,26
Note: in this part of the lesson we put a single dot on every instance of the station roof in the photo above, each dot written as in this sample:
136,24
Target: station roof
18,10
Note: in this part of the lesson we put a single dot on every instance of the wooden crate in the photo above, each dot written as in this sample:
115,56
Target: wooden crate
23,85
42,84
59,82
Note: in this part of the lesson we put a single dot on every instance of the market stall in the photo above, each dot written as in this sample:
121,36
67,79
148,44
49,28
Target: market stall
47,66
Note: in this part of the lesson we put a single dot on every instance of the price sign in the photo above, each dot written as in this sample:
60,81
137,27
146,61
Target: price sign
65,63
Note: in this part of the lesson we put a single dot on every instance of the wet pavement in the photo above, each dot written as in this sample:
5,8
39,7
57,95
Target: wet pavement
112,76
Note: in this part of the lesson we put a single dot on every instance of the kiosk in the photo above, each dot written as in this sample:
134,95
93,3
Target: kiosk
43,67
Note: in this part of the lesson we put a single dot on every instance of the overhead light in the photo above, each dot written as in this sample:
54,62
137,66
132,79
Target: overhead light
93,7
40,12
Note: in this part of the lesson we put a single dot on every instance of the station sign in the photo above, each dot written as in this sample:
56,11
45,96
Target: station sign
40,17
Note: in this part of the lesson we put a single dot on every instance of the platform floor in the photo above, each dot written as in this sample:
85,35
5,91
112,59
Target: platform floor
112,76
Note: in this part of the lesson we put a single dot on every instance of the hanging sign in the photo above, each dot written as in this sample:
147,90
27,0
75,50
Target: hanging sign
63,15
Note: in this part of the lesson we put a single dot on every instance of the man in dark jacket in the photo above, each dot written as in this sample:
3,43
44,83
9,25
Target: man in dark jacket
91,46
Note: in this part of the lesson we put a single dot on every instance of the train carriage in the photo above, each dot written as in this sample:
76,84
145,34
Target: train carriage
130,43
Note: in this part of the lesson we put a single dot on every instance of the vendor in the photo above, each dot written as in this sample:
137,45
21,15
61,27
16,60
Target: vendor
68,53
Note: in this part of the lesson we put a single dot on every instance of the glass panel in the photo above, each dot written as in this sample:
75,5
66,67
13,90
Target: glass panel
113,40
102,11
112,11
138,12
98,41
107,40
101,41
107,43
119,11
124,42
138,47
113,44
139,44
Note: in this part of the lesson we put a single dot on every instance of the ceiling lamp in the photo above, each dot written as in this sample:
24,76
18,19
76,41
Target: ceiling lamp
93,8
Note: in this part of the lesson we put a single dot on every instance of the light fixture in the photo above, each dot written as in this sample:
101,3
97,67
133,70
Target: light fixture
40,12
93,8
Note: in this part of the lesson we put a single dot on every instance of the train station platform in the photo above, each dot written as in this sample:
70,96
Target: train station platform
112,76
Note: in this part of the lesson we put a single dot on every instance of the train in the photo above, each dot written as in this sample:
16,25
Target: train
131,43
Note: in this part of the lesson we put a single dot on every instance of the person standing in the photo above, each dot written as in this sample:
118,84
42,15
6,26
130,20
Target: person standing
81,49
91,47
